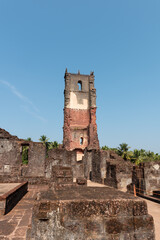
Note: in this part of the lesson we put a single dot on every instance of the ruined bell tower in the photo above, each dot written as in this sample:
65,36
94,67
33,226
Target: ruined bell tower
80,128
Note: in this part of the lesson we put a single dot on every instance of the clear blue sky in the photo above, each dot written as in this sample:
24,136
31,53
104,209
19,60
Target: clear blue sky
118,39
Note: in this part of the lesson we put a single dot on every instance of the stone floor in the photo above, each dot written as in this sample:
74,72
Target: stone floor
94,184
154,210
14,225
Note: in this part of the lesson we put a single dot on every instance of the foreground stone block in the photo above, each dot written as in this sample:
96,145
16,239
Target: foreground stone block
10,198
92,214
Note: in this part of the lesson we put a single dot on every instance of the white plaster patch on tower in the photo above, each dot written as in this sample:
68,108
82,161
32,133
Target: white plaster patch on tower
80,156
74,102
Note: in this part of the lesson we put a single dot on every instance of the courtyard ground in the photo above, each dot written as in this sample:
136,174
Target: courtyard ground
15,224
154,210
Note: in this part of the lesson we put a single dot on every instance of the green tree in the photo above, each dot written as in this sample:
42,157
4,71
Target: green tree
53,145
105,148
122,151
49,145
28,139
123,147
136,156
43,139
141,156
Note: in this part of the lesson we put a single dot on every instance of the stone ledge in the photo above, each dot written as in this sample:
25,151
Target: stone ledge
9,199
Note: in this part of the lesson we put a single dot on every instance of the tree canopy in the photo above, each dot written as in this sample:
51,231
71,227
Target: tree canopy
136,156
49,145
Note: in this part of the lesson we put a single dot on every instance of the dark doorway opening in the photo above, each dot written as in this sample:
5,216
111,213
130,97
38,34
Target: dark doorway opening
90,176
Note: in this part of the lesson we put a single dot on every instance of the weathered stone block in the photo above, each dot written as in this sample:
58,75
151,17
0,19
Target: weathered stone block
94,226
113,226
144,235
81,181
87,213
145,222
140,208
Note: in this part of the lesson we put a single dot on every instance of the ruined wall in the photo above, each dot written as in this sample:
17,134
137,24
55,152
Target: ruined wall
63,158
36,160
6,135
108,168
93,136
87,159
40,163
146,177
152,175
80,129
10,156
96,166
10,160
11,167
118,169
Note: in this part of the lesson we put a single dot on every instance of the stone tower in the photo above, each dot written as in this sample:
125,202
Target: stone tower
80,128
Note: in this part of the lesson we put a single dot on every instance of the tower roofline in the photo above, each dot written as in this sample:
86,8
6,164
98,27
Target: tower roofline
91,73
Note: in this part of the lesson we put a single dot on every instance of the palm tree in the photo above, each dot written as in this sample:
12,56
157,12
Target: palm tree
53,145
136,155
122,151
43,139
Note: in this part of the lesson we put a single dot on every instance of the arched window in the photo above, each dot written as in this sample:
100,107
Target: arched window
79,85
81,140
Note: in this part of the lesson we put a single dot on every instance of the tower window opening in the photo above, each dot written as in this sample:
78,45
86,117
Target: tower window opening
79,85
81,140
